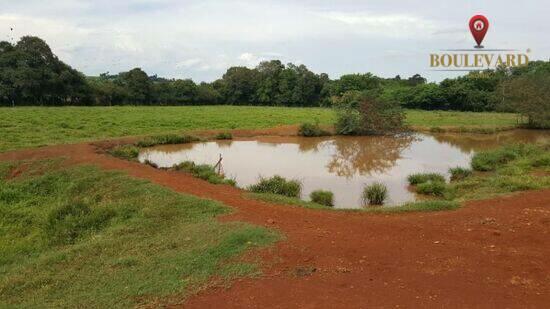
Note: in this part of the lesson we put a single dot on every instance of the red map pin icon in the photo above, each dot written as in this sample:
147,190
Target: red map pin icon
479,25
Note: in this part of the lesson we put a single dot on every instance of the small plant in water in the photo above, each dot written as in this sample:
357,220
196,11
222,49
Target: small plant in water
459,173
418,178
322,197
375,194
277,185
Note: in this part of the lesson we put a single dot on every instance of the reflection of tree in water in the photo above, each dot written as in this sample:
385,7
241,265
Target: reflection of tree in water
365,155
476,142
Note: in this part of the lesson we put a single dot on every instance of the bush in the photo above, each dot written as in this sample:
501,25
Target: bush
322,197
127,152
375,194
490,160
277,185
224,135
205,172
459,173
311,130
436,188
166,139
418,178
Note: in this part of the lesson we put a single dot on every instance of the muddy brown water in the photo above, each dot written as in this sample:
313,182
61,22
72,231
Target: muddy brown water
343,165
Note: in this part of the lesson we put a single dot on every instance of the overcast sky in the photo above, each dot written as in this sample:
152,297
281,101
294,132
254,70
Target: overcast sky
200,39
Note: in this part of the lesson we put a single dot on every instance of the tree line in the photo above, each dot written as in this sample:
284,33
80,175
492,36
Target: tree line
30,74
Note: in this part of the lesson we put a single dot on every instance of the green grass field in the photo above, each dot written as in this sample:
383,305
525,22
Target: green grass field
85,238
39,126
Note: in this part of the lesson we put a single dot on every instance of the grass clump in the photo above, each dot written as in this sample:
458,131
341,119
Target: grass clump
418,178
375,194
459,173
322,197
166,139
277,185
224,136
491,159
82,237
205,172
126,152
436,188
309,129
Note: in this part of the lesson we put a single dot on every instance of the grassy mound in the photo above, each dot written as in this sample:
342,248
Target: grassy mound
277,185
82,237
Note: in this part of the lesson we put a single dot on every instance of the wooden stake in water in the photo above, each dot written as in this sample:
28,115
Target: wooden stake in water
218,165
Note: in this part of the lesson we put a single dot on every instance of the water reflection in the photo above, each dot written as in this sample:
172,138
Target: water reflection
366,155
340,164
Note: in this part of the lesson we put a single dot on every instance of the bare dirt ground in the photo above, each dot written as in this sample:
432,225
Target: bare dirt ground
488,254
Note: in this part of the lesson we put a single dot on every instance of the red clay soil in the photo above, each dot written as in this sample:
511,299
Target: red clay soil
488,254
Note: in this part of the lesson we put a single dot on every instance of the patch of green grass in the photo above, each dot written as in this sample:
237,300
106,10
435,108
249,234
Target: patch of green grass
82,237
459,173
510,169
224,136
436,188
420,206
126,152
166,139
205,172
418,178
322,197
467,121
491,159
60,125
96,123
277,185
374,194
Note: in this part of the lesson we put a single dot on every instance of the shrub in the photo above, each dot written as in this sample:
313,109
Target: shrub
205,172
418,178
436,188
459,173
127,152
277,185
322,197
311,129
224,135
375,194
166,139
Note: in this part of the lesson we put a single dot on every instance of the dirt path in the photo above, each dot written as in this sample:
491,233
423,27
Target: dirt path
493,253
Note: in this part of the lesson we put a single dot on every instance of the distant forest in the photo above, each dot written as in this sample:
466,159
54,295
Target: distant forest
30,74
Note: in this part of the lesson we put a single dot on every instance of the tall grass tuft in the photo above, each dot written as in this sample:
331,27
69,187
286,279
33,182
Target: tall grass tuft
224,136
322,197
375,194
459,173
277,185
418,178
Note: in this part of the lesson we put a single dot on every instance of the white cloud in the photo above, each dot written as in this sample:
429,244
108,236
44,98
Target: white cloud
383,25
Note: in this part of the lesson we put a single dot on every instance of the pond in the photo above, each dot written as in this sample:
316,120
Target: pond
341,164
